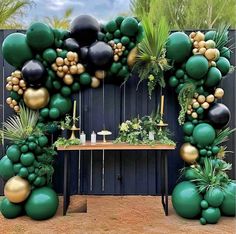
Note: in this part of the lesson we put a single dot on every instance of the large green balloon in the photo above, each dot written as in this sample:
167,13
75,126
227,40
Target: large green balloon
204,134
213,77
129,26
186,200
42,204
63,104
178,47
229,203
13,153
214,196
197,66
211,214
27,159
15,49
10,210
40,36
6,168
223,65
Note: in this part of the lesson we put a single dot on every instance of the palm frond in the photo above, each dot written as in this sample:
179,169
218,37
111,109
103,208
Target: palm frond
221,36
223,136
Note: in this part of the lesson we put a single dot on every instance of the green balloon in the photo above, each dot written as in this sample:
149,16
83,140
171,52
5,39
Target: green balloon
119,20
203,152
24,148
17,167
6,168
31,169
204,134
213,77
42,204
115,67
10,210
178,47
190,174
173,81
13,153
197,66
42,141
65,91
223,65
214,196
215,149
129,26
123,72
15,50
111,26
179,73
27,159
188,128
14,95
125,40
40,36
109,36
49,55
229,203
210,35
141,33
54,113
75,87
186,200
204,204
211,214
202,221
32,177
85,78
32,146
117,33
63,104
44,112
23,172
179,87
225,52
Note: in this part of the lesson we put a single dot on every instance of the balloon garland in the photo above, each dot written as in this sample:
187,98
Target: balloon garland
52,64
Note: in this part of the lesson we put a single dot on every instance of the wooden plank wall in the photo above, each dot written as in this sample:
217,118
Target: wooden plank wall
124,172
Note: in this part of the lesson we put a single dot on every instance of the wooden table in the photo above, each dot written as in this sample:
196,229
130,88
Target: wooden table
163,160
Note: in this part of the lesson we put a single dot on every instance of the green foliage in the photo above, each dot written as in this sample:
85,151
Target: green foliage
10,11
220,37
223,136
18,127
67,123
185,97
189,14
61,141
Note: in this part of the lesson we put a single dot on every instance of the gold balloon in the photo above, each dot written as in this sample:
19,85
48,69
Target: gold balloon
196,105
36,98
201,99
210,98
219,93
17,189
194,115
100,74
68,79
132,57
95,82
189,153
205,105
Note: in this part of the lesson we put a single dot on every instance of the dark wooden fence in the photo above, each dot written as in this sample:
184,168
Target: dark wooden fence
124,172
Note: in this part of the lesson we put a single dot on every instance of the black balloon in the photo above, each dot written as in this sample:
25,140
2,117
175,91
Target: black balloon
33,73
71,44
84,29
100,54
83,54
219,115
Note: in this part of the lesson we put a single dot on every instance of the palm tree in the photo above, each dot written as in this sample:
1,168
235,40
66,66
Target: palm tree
62,22
10,10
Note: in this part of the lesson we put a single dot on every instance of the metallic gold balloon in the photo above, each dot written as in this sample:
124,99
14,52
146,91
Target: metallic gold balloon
17,189
68,79
36,98
132,57
210,98
95,82
219,93
194,115
205,105
100,74
201,99
80,68
189,153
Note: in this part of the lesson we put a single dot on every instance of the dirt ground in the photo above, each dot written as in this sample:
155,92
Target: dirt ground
115,214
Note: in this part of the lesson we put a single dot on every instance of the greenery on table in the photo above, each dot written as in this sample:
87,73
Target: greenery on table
136,131
63,142
67,123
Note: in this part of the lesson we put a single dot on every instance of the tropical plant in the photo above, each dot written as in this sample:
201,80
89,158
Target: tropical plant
223,136
19,126
11,11
62,22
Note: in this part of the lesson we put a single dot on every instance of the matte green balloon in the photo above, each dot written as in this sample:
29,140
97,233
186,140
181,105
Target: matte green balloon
54,113
111,26
75,87
188,128
197,66
17,167
13,153
204,134
225,52
10,210
49,55
6,168
186,200
40,36
125,40
44,112
229,203
141,33
42,141
210,35
223,65
85,78
173,81
211,214
129,26
27,159
15,50
214,196
213,77
63,104
14,95
115,67
204,204
65,91
178,47
190,174
123,72
42,204
117,33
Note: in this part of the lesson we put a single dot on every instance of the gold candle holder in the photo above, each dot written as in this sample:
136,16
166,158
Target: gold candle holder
161,124
74,128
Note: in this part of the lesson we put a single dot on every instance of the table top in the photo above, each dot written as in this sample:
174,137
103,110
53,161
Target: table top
109,145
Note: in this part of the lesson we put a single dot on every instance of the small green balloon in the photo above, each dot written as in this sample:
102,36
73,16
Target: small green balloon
117,33
123,72
179,73
85,78
30,169
6,168
109,36
223,65
14,95
27,158
31,177
115,67
173,81
203,221
225,52
32,146
215,149
17,167
210,35
188,128
13,153
10,210
54,113
200,110
65,91
141,33
179,87
119,20
44,112
213,77
56,84
203,152
129,26
75,87
211,214
23,172
42,204
204,204
42,141
15,50
40,36
111,26
125,40
49,55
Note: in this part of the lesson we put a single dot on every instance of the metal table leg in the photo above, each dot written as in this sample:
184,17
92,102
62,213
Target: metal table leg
164,186
66,185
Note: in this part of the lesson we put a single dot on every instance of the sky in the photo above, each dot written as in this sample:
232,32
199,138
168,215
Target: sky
102,10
